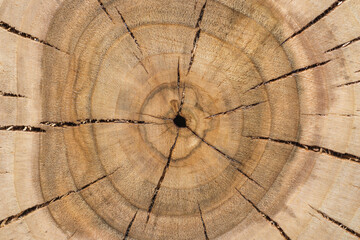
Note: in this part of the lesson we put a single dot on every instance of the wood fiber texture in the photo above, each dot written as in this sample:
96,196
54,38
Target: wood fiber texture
180,119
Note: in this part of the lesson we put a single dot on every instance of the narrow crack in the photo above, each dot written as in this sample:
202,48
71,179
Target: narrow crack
266,217
182,95
94,121
128,29
30,210
358,71
318,149
13,30
141,62
203,223
329,114
232,160
241,107
105,10
129,226
201,15
8,94
316,19
157,188
343,45
154,116
348,84
290,74
327,217
213,147
178,79
21,128
197,36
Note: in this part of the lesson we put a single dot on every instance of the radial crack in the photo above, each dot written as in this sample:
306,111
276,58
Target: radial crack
178,79
348,84
343,45
128,29
215,148
11,29
241,107
94,121
7,94
182,95
232,160
266,217
154,116
327,217
197,36
30,210
157,188
21,128
329,114
318,18
203,223
318,149
201,15
290,74
105,10
129,226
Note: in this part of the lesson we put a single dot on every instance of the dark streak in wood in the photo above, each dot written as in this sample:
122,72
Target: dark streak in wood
316,19
318,149
129,226
8,94
203,223
348,84
226,156
105,10
343,45
327,217
266,217
30,210
157,188
13,30
289,74
21,128
241,107
94,121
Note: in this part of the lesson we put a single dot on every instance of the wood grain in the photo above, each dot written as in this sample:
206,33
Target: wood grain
168,119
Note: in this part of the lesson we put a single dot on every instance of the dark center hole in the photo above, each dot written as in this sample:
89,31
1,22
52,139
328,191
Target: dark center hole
180,121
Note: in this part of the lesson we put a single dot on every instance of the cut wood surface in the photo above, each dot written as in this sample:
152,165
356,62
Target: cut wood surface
180,119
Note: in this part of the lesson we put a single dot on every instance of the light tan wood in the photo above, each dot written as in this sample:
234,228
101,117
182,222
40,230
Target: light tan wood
168,119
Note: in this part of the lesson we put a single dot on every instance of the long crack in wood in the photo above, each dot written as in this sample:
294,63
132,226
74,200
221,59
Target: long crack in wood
128,29
241,107
182,95
21,128
348,84
203,223
105,10
290,74
232,160
178,79
24,213
316,19
8,94
266,217
343,45
318,149
13,30
197,36
158,186
129,226
327,217
95,121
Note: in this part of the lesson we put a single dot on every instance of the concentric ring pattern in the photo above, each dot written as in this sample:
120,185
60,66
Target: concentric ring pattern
168,119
